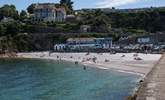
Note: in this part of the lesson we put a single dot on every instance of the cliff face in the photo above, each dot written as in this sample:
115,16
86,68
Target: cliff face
26,43
36,42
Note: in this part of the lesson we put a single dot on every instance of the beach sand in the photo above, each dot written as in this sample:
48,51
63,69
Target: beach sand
140,64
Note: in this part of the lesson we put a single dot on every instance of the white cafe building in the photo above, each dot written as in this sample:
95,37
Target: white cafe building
84,44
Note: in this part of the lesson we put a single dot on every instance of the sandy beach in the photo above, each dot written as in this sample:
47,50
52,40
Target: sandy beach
140,64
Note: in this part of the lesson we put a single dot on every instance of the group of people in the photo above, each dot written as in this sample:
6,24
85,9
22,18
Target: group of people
136,57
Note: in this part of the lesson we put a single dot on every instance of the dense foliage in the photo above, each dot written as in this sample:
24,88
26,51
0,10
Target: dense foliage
9,11
67,3
19,33
30,8
149,20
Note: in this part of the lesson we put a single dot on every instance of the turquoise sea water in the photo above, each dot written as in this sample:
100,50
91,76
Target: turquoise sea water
32,79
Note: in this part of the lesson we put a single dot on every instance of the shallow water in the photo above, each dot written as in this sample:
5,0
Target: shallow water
31,79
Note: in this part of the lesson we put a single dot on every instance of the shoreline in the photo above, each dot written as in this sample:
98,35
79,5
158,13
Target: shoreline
91,65
114,69
114,61
118,63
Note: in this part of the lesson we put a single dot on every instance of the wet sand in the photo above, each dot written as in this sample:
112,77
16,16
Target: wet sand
124,62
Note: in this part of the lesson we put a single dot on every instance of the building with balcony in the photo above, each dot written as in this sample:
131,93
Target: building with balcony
48,12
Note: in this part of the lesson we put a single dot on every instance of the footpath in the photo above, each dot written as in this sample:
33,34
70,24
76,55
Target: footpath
153,87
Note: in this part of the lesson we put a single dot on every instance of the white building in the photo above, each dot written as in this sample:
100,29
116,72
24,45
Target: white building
48,12
89,43
84,44
60,47
146,40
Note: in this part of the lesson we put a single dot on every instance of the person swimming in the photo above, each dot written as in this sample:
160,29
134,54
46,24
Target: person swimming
84,68
76,62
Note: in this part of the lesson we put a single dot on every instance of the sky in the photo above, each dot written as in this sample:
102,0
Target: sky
79,4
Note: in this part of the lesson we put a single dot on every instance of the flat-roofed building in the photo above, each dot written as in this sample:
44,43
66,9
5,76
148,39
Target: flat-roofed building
89,43
85,44
147,39
60,47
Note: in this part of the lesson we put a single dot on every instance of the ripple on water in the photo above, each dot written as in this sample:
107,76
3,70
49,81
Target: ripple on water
47,80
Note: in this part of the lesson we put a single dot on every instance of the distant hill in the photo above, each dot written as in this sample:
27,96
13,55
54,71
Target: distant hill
110,10
149,19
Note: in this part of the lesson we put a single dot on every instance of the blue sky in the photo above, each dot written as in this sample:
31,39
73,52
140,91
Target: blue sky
78,4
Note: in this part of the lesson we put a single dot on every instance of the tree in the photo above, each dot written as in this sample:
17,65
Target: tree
12,28
9,11
113,8
99,21
68,3
2,30
23,13
30,8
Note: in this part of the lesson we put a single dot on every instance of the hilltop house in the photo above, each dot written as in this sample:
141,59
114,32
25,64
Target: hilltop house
84,44
48,12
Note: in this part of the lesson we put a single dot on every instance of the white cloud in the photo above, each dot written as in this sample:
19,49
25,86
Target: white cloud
115,3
